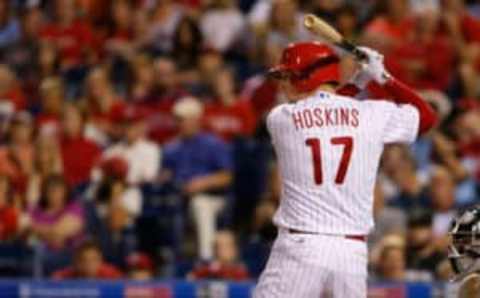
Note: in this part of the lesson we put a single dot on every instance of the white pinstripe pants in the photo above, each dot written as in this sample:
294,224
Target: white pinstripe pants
314,266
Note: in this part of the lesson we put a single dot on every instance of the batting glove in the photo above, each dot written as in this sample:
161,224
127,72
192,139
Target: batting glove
373,68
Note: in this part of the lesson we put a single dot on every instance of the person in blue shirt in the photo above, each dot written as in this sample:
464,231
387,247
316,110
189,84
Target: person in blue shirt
199,164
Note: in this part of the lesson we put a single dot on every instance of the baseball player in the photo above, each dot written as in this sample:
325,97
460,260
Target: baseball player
328,148
464,252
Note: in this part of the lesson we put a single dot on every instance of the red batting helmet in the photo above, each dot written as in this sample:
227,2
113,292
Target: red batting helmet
307,65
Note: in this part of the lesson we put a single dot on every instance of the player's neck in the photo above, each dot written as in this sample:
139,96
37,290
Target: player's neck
322,88
325,88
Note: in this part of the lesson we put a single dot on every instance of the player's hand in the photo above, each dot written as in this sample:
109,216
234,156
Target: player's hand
373,68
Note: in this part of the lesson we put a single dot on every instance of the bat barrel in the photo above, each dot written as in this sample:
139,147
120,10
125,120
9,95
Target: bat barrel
309,21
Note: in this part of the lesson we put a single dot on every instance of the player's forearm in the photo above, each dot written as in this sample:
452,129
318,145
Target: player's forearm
219,180
403,94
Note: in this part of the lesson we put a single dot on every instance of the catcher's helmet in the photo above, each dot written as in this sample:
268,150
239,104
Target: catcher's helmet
307,65
464,249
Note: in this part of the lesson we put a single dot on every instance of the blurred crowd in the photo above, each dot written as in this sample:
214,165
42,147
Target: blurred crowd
133,141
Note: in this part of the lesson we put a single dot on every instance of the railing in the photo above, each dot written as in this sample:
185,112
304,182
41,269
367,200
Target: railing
181,289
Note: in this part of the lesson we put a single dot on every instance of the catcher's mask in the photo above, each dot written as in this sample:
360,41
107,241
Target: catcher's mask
464,249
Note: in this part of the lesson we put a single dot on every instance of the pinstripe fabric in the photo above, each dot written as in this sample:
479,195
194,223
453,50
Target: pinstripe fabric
334,208
327,265
310,266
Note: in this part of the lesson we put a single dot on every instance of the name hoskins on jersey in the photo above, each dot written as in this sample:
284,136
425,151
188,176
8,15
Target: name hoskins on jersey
328,149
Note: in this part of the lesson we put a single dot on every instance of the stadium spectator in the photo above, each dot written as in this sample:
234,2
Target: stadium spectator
12,97
391,26
23,55
225,264
57,223
388,219
425,59
140,267
9,215
286,25
142,155
111,215
69,34
102,105
165,17
464,31
442,200
143,78
210,62
159,100
200,166
423,257
47,162
222,25
113,188
17,154
392,264
347,22
9,26
402,185
466,131
52,93
88,264
79,154
120,32
228,115
48,62
187,46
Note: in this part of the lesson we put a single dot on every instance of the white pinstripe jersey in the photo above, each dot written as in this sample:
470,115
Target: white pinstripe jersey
328,149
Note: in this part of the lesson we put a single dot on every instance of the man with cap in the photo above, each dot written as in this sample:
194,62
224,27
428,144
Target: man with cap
200,167
142,155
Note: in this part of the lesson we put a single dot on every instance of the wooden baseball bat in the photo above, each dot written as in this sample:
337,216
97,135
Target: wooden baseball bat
321,28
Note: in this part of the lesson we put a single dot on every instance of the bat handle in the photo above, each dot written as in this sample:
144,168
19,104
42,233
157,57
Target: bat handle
354,50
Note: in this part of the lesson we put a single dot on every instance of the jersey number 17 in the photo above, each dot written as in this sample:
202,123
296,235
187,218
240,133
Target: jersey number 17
314,144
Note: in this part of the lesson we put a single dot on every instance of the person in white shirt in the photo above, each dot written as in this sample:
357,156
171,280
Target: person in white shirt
142,155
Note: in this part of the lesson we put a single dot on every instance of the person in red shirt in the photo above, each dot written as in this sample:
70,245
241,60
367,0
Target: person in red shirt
464,30
225,264
140,267
426,60
8,213
159,100
118,36
228,115
122,19
102,105
17,154
391,27
88,263
10,90
79,154
52,95
71,36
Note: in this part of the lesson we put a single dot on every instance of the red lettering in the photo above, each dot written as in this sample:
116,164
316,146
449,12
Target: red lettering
317,113
355,114
344,116
308,118
297,120
328,118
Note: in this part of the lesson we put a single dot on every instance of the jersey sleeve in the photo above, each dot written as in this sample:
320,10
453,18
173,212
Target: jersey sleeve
273,121
401,123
